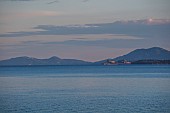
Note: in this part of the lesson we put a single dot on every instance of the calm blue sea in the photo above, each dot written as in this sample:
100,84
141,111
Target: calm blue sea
85,89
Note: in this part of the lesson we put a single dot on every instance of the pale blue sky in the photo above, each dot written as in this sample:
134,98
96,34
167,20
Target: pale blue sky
61,27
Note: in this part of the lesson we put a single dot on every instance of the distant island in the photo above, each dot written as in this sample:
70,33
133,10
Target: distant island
154,55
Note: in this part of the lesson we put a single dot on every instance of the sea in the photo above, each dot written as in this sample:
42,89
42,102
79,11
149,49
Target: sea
85,89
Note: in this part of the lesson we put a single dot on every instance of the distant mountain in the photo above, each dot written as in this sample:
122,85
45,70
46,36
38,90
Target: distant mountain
154,53
143,56
34,61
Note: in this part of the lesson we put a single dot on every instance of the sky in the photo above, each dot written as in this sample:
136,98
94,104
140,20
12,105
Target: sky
88,30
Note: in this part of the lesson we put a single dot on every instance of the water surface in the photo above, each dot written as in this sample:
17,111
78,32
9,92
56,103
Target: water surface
85,89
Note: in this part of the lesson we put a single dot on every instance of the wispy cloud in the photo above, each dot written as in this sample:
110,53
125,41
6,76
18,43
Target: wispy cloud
85,0
63,38
18,0
30,14
107,40
139,28
51,2
42,13
109,43
56,1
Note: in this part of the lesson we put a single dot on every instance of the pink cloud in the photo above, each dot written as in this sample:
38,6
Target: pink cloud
147,21
158,21
32,14
39,13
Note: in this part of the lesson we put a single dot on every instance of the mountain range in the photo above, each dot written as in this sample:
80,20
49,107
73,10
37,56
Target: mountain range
154,53
50,61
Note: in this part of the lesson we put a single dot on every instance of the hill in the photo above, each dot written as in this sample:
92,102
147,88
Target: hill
34,61
154,53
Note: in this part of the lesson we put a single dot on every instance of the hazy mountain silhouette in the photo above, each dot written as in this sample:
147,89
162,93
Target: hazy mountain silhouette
34,61
155,53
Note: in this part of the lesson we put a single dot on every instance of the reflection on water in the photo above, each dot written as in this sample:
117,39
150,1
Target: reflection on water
21,91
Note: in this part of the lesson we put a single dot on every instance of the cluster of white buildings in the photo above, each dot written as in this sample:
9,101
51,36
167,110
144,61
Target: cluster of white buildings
112,62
